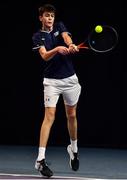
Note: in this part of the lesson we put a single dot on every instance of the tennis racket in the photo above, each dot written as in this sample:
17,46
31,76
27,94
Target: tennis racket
103,41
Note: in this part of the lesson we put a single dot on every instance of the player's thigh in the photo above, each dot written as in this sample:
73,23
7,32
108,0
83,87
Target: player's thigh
71,95
51,96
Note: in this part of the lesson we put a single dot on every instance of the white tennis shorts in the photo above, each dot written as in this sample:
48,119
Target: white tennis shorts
69,88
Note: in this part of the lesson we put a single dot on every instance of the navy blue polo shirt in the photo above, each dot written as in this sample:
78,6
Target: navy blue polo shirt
60,66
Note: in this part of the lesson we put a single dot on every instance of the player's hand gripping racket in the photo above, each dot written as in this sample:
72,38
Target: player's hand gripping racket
101,39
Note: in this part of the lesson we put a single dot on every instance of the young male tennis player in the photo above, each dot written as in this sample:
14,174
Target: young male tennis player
55,46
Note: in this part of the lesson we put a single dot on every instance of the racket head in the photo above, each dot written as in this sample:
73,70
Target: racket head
101,42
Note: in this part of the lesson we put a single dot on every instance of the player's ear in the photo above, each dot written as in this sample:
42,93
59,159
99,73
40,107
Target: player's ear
40,18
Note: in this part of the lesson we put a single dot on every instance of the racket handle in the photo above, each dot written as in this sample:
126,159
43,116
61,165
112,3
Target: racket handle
82,46
85,47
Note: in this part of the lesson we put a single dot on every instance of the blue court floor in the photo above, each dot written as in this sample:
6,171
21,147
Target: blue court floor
17,162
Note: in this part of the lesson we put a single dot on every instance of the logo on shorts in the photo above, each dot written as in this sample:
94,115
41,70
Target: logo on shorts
47,99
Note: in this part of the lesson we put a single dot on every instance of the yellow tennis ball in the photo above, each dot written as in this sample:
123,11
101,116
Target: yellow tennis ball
98,28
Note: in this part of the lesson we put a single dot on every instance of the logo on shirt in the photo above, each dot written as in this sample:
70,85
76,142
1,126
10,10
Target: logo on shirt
56,33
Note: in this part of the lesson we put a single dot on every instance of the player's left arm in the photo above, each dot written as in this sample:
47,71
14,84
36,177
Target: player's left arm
67,38
69,42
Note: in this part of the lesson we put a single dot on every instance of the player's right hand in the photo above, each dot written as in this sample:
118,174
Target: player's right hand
73,48
63,50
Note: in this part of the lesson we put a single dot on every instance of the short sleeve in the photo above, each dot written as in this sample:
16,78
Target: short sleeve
62,28
37,41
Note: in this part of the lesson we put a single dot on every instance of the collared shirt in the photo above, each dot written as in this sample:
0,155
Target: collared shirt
60,66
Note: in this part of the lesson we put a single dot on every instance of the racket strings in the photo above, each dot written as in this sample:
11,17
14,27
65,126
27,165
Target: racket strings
103,41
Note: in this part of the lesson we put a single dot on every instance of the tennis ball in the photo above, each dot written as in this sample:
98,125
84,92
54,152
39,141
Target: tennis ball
98,28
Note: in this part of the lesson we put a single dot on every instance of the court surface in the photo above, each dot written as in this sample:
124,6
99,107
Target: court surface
17,162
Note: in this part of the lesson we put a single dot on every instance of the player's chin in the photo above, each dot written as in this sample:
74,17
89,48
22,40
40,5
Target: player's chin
49,25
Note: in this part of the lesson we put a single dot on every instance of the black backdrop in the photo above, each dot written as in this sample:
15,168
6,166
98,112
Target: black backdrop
102,107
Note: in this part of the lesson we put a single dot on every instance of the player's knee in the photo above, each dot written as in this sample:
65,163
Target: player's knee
72,116
51,116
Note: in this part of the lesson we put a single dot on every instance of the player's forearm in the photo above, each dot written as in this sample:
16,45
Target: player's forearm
47,55
67,39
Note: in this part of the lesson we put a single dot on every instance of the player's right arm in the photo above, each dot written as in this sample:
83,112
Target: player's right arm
47,55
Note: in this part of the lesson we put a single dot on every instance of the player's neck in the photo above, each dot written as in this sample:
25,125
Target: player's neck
47,29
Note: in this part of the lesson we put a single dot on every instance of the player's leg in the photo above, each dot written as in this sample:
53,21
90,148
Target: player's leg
51,96
46,125
71,96
40,164
72,129
71,121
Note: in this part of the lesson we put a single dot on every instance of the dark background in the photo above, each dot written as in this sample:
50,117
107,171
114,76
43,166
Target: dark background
102,107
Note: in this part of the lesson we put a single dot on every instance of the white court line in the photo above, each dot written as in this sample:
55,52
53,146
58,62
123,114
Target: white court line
68,177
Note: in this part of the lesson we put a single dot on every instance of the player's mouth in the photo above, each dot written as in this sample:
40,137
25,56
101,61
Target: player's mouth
50,23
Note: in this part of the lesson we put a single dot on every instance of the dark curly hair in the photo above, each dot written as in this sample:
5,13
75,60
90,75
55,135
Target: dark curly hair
46,8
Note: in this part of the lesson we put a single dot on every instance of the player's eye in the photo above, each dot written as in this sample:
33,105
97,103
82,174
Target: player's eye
52,15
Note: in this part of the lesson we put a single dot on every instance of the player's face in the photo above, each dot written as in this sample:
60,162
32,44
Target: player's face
47,20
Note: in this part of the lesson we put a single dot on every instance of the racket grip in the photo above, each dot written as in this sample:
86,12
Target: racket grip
82,46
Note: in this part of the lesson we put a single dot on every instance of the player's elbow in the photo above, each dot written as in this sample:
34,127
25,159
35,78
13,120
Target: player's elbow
43,53
45,57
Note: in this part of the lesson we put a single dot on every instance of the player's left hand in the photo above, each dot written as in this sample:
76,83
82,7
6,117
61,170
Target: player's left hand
73,48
